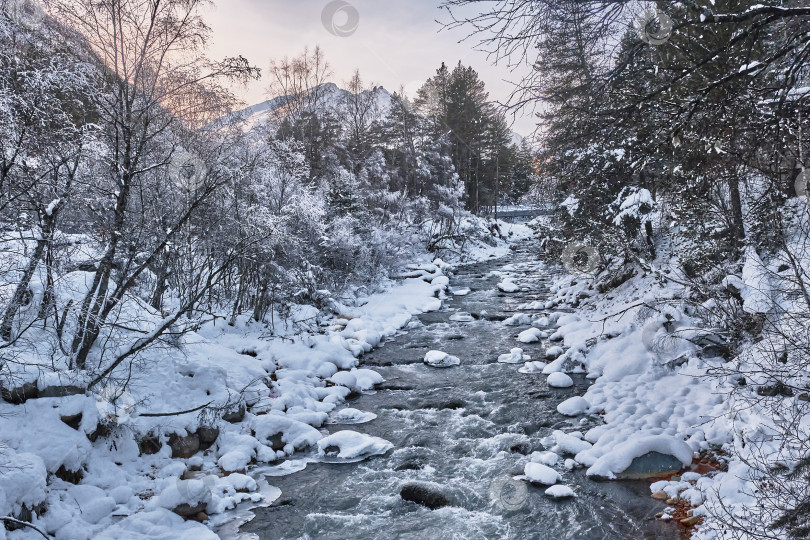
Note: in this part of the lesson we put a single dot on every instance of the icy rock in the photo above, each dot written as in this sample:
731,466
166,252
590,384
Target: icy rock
515,356
541,474
560,492
573,406
461,316
464,291
424,494
560,380
441,359
351,416
352,444
532,367
531,335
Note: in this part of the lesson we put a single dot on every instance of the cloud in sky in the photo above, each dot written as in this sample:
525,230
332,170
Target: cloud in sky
396,43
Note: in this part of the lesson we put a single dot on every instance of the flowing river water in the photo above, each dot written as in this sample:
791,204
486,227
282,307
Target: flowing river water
464,431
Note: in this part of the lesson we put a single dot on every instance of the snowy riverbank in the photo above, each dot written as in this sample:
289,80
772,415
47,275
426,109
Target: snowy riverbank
181,433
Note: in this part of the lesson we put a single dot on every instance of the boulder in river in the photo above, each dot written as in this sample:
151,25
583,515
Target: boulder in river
441,359
425,495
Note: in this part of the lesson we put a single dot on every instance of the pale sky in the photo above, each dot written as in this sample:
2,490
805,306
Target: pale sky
395,42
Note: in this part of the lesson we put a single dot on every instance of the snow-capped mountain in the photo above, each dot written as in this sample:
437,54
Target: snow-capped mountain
330,97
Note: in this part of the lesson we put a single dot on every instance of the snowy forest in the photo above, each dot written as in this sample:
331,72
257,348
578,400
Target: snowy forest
352,312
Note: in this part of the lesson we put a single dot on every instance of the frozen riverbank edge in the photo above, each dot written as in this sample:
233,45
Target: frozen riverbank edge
126,461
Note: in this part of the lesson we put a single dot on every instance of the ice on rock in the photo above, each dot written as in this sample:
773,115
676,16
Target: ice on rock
351,444
461,316
441,359
532,367
559,380
532,335
515,356
508,286
464,291
573,406
351,416
541,474
560,492
554,352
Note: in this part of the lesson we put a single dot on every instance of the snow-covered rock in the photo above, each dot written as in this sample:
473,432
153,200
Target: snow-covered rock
559,380
532,367
622,455
515,356
351,444
560,492
461,316
573,406
532,335
508,286
541,474
441,359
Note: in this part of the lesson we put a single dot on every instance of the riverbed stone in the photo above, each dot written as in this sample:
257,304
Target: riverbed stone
425,495
650,465
184,446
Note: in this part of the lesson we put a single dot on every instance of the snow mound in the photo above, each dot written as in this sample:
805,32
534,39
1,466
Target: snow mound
441,359
531,335
351,444
560,380
461,292
573,406
560,492
554,352
541,474
619,458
